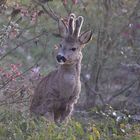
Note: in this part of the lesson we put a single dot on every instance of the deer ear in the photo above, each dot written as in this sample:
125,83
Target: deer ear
62,28
85,37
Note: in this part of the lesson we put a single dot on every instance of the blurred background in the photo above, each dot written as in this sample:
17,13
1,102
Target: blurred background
109,104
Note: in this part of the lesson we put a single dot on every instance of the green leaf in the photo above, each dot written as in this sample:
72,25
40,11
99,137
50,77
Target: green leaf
91,137
79,129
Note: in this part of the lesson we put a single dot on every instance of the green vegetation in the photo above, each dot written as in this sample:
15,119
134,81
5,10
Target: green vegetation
110,69
16,126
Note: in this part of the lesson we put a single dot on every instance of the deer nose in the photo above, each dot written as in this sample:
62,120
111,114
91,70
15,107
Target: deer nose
60,58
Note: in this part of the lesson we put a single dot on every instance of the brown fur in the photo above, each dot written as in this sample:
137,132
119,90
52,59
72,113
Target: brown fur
57,93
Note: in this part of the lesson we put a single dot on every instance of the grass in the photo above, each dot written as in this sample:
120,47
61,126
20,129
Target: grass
18,126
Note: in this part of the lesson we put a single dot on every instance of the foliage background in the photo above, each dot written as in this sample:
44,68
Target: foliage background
110,68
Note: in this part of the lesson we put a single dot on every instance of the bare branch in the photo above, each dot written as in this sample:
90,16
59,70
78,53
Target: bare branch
7,82
92,90
48,11
25,42
121,91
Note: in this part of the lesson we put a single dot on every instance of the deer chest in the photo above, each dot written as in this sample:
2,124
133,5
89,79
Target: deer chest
69,79
69,86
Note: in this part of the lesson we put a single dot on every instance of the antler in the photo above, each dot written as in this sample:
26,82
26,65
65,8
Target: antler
72,28
79,22
74,25
71,24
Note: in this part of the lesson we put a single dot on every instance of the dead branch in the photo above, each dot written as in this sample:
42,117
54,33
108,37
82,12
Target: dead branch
121,91
48,10
23,43
91,89
7,82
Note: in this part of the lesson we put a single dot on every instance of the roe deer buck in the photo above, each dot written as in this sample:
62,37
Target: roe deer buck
57,93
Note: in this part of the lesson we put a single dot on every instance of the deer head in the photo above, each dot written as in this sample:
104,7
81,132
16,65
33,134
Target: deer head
69,49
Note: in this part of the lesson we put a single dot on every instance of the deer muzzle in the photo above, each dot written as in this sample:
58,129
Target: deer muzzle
60,59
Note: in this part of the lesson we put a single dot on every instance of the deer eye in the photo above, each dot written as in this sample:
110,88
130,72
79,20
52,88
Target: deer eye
73,49
60,45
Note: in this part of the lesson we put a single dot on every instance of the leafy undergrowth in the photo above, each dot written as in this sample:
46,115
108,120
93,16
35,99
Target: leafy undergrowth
18,126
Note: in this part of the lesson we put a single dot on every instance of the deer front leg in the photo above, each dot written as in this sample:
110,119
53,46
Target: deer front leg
65,116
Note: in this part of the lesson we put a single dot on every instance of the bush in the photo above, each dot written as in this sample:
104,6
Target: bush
20,126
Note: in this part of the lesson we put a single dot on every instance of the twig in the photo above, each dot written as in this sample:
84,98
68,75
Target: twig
66,8
121,91
25,42
49,12
92,90
21,73
11,94
17,100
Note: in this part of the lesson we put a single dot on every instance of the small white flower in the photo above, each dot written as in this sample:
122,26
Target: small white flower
114,113
36,69
124,10
130,25
88,76
118,118
29,57
123,130
122,52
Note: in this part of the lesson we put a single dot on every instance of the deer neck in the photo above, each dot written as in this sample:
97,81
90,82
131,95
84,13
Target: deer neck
72,69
